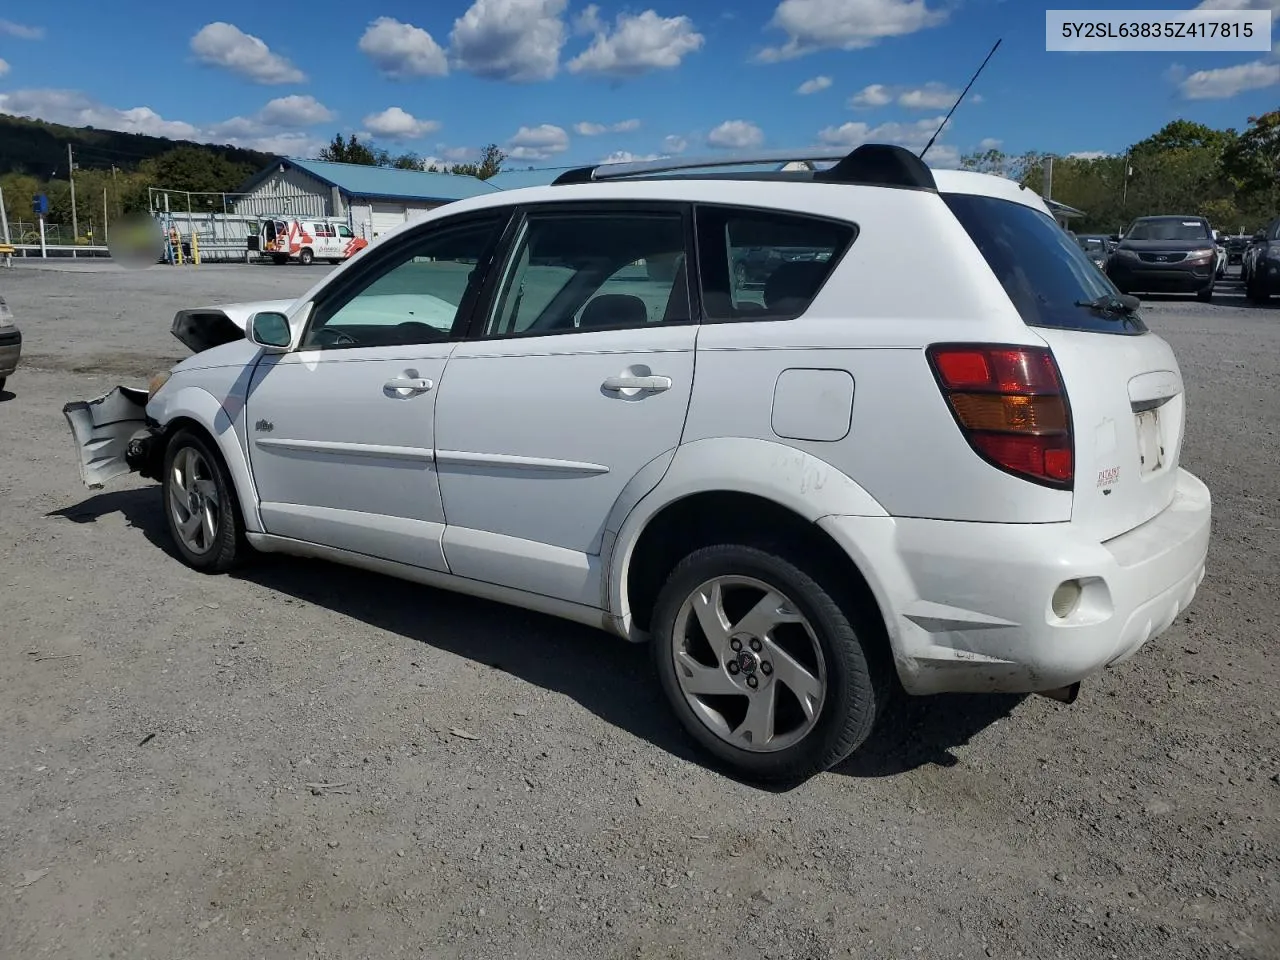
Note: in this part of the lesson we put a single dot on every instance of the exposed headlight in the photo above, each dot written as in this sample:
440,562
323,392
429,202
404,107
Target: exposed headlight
1123,252
158,381
1201,254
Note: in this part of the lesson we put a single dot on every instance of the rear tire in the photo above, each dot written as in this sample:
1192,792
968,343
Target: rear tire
800,647
279,259
200,505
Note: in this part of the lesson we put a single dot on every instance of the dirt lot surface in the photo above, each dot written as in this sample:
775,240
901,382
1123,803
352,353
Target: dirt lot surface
304,761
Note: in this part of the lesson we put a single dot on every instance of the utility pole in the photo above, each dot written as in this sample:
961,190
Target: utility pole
71,177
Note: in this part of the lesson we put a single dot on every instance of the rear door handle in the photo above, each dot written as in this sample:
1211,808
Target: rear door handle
408,384
650,384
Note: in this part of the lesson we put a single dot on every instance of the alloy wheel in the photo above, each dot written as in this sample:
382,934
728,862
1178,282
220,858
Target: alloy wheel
749,664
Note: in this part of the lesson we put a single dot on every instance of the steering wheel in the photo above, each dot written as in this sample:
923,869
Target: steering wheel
329,337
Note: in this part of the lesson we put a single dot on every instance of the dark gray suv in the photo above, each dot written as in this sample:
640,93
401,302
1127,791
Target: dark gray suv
1165,255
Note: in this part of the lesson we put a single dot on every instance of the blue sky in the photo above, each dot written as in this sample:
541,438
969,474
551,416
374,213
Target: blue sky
558,81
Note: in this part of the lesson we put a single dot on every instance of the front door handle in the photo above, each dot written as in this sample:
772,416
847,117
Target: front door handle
649,384
408,385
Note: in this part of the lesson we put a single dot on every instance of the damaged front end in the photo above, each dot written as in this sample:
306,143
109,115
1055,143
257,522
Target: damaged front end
113,437
113,434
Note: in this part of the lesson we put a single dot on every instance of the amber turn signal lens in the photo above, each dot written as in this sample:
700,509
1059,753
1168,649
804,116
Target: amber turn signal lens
1010,413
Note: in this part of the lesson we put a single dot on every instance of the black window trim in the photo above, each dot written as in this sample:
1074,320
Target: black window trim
487,301
749,209
369,269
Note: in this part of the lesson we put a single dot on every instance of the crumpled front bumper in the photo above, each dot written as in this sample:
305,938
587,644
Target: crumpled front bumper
113,437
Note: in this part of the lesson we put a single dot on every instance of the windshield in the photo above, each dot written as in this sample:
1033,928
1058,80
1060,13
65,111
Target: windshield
1167,228
1044,272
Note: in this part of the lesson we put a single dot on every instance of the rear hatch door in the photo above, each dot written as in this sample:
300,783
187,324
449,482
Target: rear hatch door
1123,383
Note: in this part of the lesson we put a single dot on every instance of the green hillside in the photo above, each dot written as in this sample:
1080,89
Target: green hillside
39,149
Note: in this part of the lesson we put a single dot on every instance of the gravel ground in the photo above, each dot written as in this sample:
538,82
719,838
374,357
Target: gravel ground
306,761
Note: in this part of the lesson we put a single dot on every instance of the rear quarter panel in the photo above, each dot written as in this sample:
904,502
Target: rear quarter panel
874,318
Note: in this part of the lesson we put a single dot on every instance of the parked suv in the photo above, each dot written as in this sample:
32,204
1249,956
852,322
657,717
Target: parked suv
804,497
1262,273
1166,255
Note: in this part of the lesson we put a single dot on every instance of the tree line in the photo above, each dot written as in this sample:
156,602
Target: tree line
1230,178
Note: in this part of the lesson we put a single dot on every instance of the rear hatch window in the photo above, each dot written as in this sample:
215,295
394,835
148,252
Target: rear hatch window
1044,271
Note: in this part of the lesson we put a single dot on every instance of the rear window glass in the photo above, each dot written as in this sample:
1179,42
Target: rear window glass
1044,271
759,265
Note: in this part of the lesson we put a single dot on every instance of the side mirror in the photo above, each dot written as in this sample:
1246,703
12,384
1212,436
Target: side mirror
1115,238
1260,236
270,330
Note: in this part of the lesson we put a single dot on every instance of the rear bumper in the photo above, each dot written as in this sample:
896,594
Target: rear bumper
10,351
969,605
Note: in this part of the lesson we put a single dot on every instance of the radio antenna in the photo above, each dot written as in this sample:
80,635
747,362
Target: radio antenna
958,99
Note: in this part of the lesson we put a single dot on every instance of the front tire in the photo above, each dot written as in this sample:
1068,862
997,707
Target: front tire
763,668
306,256
200,505
1205,295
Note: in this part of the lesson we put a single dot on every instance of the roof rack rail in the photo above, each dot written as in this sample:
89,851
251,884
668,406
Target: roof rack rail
871,163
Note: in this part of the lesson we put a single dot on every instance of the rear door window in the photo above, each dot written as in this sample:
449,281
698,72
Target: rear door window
1044,271
760,265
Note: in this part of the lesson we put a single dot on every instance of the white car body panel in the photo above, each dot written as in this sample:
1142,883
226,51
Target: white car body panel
509,489
343,460
516,477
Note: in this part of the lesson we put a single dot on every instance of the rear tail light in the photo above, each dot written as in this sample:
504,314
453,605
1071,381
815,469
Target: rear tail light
1011,407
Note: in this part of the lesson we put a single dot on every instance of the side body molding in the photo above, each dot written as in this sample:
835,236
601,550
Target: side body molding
791,478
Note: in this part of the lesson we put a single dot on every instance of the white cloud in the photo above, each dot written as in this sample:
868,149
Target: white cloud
292,144
845,24
516,40
20,31
1226,82
626,156
912,135
1272,5
225,45
294,111
460,154
4,66
1088,155
931,96
588,129
875,95
538,143
394,123
638,44
990,143
943,157
75,109
674,144
813,86
402,50
736,135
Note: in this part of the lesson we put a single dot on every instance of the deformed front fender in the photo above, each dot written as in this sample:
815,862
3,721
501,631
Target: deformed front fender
219,419
792,478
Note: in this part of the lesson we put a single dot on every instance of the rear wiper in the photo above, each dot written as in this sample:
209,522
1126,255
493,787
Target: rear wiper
1110,305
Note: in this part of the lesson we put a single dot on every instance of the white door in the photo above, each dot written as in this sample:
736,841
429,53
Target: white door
579,378
341,430
386,216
